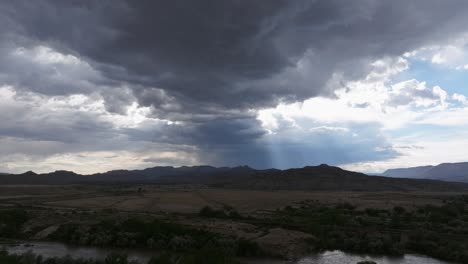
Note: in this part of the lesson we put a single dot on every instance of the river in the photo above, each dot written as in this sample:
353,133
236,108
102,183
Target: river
51,249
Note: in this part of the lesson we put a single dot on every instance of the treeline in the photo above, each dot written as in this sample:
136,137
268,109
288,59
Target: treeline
437,231
155,234
11,222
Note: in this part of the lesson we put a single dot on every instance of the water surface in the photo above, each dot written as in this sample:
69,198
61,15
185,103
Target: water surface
52,249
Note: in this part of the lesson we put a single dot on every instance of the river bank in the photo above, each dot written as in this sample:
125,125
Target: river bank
58,250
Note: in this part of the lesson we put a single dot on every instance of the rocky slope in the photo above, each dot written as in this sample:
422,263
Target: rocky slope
455,172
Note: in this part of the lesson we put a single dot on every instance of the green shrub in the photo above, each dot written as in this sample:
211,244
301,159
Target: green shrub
247,248
226,212
11,221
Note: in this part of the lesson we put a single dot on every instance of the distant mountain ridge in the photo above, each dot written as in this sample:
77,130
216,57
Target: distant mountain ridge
454,172
310,178
160,174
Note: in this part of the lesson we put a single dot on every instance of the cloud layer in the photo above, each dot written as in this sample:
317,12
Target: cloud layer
195,79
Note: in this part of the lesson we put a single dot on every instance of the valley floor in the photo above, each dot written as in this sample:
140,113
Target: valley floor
183,219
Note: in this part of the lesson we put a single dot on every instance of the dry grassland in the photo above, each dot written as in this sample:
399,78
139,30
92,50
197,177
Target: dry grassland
189,199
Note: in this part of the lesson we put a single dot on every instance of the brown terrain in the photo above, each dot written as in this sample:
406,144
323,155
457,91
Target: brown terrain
82,203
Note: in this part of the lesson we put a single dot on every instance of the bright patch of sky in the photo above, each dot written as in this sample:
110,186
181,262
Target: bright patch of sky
418,102
454,80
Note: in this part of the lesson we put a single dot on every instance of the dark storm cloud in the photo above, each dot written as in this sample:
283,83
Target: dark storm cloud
230,54
205,63
241,141
28,118
217,132
301,148
24,69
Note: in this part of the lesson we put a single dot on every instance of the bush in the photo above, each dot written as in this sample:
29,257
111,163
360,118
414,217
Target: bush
437,231
247,248
11,222
116,258
226,213
207,211
399,210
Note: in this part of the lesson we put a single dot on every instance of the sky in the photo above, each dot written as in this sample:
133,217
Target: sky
367,85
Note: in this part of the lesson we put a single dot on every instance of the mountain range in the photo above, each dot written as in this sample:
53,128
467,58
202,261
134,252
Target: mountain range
317,178
454,172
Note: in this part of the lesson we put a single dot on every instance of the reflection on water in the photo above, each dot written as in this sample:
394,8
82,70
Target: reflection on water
50,249
340,257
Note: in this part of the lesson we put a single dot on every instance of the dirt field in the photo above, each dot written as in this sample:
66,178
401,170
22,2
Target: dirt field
189,199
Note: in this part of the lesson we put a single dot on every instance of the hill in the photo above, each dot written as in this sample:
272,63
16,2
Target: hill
328,178
317,178
150,175
454,172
